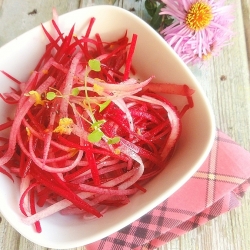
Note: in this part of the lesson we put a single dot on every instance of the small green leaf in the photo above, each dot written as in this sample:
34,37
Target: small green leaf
151,7
114,140
157,18
158,22
97,124
95,136
75,91
104,105
50,96
167,20
95,64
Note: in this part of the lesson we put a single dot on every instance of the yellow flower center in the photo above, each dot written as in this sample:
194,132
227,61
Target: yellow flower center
36,96
199,16
65,126
98,89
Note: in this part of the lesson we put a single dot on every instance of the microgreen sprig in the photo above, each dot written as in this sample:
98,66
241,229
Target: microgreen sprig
95,125
97,134
51,95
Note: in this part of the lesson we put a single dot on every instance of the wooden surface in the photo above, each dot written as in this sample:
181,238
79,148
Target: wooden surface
226,82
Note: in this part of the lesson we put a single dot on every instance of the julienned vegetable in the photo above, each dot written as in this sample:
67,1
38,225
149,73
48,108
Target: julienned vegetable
87,135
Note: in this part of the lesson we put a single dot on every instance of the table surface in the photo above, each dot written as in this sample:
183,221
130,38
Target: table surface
225,80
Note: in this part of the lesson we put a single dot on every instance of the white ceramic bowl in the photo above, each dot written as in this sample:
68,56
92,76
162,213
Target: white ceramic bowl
152,57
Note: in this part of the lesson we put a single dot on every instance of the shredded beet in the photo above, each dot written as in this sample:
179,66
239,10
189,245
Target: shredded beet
87,135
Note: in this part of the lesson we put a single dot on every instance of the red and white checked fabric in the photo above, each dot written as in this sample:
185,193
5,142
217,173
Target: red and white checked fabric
214,189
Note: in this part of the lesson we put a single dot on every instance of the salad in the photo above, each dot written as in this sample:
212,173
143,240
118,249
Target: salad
87,133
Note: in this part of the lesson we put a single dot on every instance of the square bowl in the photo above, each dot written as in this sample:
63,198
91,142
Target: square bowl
152,56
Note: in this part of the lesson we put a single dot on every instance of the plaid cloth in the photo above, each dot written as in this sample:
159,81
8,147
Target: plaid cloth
214,189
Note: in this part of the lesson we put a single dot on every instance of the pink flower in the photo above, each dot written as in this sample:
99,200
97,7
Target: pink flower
200,28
